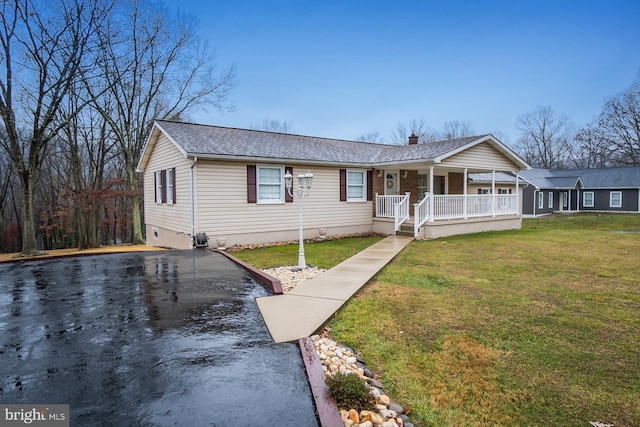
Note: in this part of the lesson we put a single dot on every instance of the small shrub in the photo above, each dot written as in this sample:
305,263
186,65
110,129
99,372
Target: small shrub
350,392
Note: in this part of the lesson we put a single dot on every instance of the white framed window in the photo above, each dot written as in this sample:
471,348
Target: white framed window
356,186
170,184
550,199
587,199
423,185
484,191
158,180
540,200
270,184
615,199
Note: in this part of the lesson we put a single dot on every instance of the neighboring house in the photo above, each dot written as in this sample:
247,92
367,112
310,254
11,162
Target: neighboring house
580,190
229,184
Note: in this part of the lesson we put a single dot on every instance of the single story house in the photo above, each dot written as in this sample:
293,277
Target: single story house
581,190
229,183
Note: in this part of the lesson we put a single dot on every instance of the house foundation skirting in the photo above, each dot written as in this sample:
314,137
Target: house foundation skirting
438,229
285,235
164,238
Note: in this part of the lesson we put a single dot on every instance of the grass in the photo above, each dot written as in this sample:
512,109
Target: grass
537,327
324,254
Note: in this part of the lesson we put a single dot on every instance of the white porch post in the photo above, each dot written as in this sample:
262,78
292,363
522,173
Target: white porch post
517,193
431,195
493,192
464,202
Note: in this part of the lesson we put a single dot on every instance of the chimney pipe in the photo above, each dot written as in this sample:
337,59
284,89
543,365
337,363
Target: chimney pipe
413,139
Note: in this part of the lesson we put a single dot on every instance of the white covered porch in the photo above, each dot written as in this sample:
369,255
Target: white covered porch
439,215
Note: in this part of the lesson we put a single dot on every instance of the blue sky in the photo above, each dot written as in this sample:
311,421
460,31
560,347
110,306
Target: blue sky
344,68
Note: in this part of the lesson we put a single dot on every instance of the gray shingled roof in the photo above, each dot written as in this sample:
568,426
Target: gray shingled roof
501,177
628,177
205,140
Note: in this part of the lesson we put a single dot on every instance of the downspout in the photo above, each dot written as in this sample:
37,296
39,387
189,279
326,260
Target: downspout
193,214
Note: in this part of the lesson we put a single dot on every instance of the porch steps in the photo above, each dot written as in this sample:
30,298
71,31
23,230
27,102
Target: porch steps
406,229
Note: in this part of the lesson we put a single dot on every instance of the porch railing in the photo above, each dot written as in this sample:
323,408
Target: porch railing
401,211
393,206
385,205
445,207
421,213
474,205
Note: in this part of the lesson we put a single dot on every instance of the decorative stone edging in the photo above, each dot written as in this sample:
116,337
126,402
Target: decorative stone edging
336,358
270,282
291,276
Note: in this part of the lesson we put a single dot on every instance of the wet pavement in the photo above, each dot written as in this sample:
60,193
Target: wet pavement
144,339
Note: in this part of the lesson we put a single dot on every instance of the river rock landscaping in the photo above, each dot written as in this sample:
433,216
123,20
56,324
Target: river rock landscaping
336,358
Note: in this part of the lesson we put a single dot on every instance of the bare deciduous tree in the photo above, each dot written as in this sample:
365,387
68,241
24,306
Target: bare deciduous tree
42,56
591,149
370,137
456,129
274,125
400,135
618,126
153,67
88,147
546,138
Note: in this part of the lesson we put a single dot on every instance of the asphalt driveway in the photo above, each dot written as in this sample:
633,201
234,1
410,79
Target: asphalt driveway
146,338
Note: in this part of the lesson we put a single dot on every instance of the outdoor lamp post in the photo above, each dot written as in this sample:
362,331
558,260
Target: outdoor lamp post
304,187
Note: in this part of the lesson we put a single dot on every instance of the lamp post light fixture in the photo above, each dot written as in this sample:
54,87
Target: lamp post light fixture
303,190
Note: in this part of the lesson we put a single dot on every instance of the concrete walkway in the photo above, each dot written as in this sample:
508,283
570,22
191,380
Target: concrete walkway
301,312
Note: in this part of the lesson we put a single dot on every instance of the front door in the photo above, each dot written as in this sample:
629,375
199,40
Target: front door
565,201
391,186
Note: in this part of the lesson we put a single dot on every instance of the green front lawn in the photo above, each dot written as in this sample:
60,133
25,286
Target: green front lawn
325,254
533,327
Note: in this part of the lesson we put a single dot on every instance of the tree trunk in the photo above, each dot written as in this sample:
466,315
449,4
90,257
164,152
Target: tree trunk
29,242
136,219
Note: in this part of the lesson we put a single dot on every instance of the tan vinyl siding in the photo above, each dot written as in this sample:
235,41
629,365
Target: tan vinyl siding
482,156
175,217
223,209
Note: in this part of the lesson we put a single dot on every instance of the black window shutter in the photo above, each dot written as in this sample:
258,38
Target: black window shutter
173,174
343,185
288,198
155,187
369,185
163,181
251,184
